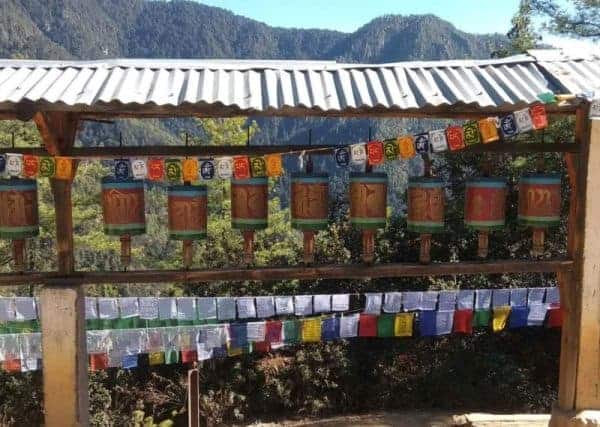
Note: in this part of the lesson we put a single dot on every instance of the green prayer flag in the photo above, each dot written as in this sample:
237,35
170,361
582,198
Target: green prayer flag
173,170
258,167
390,149
481,318
47,167
171,357
291,331
471,133
385,325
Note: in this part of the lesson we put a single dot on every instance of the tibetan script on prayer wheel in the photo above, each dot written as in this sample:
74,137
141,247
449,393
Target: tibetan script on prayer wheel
249,203
18,209
425,205
123,207
485,203
309,209
187,212
539,201
368,200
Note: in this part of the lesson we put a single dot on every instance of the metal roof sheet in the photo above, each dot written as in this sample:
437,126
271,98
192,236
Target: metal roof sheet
288,87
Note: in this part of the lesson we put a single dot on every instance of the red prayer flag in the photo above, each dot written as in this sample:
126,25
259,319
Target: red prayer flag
98,361
538,116
261,347
273,331
241,167
189,356
375,152
12,365
454,136
367,325
31,166
554,317
156,169
463,321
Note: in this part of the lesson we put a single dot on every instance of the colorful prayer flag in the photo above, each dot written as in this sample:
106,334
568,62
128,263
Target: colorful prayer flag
488,130
390,150
385,325
554,317
238,334
130,361
406,146
12,365
342,156
156,169
274,165
14,164
422,143
427,320
31,166
121,169
241,167
139,169
367,325
508,126
311,329
375,152
273,331
256,331
358,153
437,138
261,347
523,120
330,329
463,321
403,324
500,318
173,171
98,361
258,167
481,318
539,116
190,170
518,317
454,136
64,168
189,356
349,325
471,133
207,169
291,331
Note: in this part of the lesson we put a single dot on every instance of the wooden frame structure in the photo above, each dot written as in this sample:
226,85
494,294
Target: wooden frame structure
62,296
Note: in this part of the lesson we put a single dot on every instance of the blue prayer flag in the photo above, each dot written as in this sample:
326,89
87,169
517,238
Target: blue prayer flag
518,317
508,126
427,322
342,156
239,335
220,352
207,169
122,169
130,361
330,329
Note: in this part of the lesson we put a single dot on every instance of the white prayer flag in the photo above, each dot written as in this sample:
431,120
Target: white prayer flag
536,295
30,346
139,168
523,119
444,320
246,308
429,300
29,365
447,300
358,153
167,308
186,308
170,337
25,309
552,295
99,341
500,297
340,302
265,307
349,326
148,308
392,302
187,339
284,305
437,139
204,353
411,301
7,310
224,167
14,164
303,305
154,342
518,297
213,335
255,331
225,308
536,314
129,307
207,308
322,303
108,308
483,299
91,308
373,303
464,300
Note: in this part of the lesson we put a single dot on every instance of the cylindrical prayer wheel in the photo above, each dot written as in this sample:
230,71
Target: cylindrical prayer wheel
539,206
485,207
18,215
309,208
368,206
187,217
249,210
425,211
123,210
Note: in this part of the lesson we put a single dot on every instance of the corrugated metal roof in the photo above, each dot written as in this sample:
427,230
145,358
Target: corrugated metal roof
287,87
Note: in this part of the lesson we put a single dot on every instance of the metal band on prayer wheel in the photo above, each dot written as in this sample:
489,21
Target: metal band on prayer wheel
425,211
368,206
187,212
249,203
123,207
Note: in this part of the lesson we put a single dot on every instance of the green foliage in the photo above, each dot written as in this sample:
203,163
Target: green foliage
574,18
522,35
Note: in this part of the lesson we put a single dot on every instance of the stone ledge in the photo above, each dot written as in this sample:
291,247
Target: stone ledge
586,418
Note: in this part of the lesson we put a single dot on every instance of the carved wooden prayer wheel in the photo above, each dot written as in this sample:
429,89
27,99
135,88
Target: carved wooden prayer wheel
539,206
187,217
368,206
309,210
18,215
425,211
123,210
249,210
485,207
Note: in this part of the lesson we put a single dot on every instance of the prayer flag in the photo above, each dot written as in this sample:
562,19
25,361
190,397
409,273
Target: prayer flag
523,120
508,126
207,308
291,331
518,317
349,325
311,329
385,325
284,305
438,141
186,310
47,167
488,130
171,356
207,170
241,167
303,304
373,303
225,308
234,351
167,310
265,307
64,168
553,295
258,167
330,329
483,299
256,331
12,365
481,318
342,156
91,313
98,361
464,299
273,331
274,165
500,297
238,334
121,168
390,150
447,300
204,353
148,308
471,133
31,166
322,303
406,146
190,170
429,300
403,324
189,356
518,297
340,302
500,318
156,169
422,143
463,321
173,170
261,347
225,167
358,153
454,136
536,295
367,325
14,164
538,116
375,152
156,358
427,320
555,317
392,302
246,308
443,322
537,314
139,169
129,361
411,301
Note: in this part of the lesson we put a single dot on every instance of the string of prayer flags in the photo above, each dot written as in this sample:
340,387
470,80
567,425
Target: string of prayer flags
471,134
311,329
173,171
274,165
406,147
367,325
156,169
342,156
403,324
189,169
31,166
390,150
207,170
437,138
488,130
375,153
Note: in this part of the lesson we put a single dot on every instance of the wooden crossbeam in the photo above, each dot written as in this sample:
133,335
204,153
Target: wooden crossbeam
338,271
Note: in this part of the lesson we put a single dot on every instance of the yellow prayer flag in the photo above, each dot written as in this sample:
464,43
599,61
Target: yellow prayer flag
274,165
488,130
500,318
406,146
403,324
311,329
234,351
156,358
64,168
190,169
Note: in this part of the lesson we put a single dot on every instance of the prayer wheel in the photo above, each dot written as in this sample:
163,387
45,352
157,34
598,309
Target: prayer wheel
425,211
123,210
368,206
249,210
187,217
539,206
18,215
309,210
485,207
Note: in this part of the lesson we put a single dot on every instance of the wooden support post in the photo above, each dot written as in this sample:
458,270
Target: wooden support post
579,380
63,305
194,397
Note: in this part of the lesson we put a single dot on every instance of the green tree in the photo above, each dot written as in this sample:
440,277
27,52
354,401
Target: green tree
575,18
